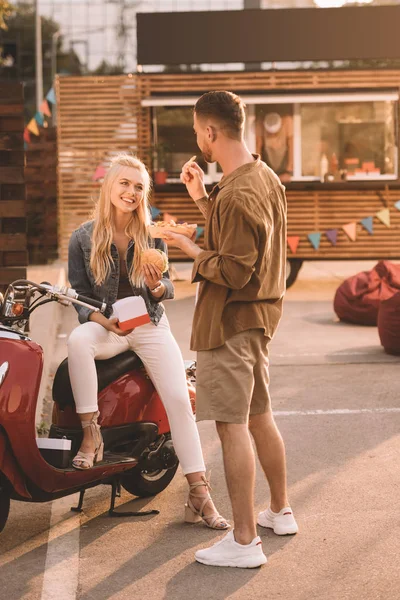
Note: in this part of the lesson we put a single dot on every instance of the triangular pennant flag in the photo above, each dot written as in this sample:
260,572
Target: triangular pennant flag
384,216
45,109
368,224
27,136
331,234
397,204
154,212
39,118
199,232
51,97
167,217
315,239
293,242
350,230
99,174
33,128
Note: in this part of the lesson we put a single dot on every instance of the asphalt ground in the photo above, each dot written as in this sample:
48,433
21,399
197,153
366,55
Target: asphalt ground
336,399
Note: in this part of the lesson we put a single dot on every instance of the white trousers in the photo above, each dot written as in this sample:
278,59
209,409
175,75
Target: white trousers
160,354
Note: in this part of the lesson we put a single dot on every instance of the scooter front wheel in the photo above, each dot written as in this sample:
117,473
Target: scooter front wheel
143,484
4,507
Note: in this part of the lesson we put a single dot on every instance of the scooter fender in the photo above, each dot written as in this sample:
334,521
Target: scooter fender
10,468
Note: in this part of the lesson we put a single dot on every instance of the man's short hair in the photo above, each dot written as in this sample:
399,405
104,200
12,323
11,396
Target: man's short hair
226,108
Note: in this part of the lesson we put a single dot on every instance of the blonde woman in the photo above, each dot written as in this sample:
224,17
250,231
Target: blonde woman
104,262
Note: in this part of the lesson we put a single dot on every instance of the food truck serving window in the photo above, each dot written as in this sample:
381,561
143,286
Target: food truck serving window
303,137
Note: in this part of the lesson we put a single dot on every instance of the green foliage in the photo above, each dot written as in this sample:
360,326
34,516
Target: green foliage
6,10
20,34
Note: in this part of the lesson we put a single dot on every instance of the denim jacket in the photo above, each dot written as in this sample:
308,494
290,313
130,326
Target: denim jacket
82,279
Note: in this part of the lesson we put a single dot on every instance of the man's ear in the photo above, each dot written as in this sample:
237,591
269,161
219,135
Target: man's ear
212,133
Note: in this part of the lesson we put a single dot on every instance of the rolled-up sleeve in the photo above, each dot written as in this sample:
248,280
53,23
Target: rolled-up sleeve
77,276
234,263
169,292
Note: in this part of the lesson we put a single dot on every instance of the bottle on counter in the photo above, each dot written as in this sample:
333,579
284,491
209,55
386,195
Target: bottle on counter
323,167
334,164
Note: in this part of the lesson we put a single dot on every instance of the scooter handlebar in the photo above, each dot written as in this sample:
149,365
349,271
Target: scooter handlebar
71,295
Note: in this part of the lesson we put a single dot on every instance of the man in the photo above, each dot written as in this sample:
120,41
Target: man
242,275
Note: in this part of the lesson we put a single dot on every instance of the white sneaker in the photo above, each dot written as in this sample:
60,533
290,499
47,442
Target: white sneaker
283,522
228,553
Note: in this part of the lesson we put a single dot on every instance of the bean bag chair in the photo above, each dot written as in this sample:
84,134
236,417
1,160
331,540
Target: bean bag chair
389,324
358,298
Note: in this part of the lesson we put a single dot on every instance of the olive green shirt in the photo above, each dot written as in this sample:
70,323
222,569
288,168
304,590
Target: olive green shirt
242,268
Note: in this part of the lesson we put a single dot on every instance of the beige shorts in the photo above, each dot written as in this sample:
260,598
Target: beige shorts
232,380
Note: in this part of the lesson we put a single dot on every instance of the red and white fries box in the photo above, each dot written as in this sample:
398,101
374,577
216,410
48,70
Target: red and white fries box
131,312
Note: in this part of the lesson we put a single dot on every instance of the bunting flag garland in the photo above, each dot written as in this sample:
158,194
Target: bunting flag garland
315,239
293,242
39,118
368,224
154,212
384,216
51,97
45,109
199,231
331,234
99,174
351,230
27,136
33,127
397,204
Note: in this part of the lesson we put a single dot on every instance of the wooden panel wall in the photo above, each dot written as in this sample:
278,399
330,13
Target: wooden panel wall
99,116
41,197
13,240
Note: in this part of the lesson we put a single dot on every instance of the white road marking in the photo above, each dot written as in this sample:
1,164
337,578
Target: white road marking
62,561
333,411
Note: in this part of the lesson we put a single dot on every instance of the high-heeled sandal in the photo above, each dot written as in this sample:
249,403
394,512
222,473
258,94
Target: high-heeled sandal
194,515
86,460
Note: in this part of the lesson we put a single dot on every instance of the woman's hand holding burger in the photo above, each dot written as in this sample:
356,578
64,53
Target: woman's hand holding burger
154,264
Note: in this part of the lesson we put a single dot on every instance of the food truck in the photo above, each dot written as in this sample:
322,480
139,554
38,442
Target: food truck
330,133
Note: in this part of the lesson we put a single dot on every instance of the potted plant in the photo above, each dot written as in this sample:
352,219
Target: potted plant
160,163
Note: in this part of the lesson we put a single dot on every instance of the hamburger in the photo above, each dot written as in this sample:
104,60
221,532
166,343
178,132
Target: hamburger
155,257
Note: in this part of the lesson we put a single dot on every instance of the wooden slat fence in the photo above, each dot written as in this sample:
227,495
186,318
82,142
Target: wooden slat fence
99,116
13,239
41,197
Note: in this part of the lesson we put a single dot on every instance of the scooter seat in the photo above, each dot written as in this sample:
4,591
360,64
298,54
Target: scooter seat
107,371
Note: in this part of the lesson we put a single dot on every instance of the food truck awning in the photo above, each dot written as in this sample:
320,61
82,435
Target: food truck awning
280,98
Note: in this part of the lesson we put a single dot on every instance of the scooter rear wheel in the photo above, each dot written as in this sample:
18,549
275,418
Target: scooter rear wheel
139,483
4,507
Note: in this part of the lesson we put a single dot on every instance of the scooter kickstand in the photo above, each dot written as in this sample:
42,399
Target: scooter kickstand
116,493
78,508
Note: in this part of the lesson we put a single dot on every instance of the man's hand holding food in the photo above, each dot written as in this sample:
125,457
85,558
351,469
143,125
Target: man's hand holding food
193,177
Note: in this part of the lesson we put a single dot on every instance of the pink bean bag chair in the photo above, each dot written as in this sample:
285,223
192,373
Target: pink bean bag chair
389,324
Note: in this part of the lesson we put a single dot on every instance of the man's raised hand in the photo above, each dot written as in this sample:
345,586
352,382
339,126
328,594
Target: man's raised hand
193,177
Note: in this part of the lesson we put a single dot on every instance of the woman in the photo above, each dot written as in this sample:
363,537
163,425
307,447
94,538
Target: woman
104,262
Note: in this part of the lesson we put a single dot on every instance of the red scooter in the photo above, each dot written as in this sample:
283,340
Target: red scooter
139,454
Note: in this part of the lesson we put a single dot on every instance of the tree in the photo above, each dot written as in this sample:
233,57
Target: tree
5,11
18,43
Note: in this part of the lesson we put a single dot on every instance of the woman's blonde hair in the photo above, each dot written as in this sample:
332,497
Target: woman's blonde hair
136,229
